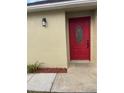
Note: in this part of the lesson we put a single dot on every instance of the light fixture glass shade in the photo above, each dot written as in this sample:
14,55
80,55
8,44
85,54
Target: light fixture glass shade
44,22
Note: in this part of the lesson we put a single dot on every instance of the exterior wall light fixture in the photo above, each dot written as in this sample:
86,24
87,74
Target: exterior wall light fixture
44,22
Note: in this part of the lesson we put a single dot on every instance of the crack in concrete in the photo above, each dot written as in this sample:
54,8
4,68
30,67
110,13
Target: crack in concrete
53,83
30,78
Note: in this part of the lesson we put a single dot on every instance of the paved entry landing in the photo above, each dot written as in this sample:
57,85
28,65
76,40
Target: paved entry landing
80,78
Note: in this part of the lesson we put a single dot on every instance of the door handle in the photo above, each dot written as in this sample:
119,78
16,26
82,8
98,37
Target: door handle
87,43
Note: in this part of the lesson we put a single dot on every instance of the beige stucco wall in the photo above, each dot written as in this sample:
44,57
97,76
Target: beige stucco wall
94,37
93,33
47,45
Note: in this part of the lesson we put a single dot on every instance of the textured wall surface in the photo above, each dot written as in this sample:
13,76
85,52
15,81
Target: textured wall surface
47,45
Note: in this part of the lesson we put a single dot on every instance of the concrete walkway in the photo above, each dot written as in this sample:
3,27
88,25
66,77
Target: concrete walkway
41,82
79,78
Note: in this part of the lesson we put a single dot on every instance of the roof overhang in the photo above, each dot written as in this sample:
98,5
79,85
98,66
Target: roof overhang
62,5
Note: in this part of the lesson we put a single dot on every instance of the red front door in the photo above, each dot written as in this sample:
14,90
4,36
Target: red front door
79,36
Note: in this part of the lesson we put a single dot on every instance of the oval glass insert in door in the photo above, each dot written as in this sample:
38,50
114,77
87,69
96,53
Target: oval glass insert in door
79,34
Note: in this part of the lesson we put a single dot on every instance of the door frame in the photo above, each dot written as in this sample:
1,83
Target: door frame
68,41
